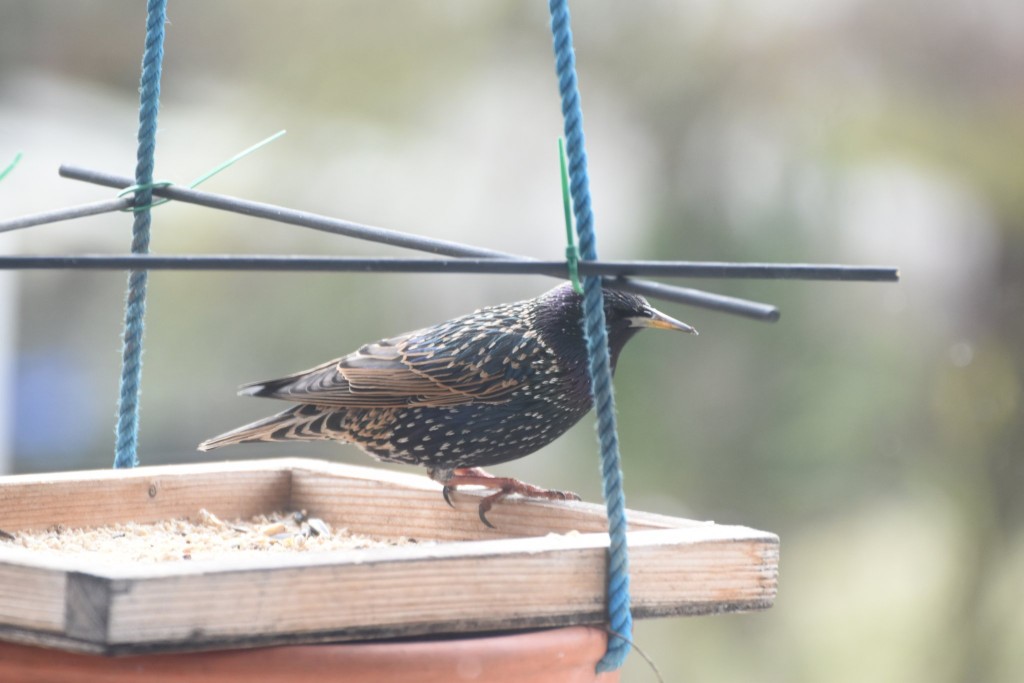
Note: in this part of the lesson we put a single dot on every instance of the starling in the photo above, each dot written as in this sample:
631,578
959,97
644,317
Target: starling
477,390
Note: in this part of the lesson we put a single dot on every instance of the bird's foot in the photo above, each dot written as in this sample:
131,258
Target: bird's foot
475,476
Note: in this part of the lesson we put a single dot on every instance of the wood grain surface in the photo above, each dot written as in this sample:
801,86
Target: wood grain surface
543,566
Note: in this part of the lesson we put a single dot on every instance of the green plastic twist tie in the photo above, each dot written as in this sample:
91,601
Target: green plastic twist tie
572,252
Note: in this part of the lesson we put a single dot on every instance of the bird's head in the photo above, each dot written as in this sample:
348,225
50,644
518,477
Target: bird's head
625,314
624,311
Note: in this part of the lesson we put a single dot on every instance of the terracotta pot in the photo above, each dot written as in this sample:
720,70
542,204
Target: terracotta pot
565,655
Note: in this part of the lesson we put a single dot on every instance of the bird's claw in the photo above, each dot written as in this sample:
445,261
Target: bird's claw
483,515
505,487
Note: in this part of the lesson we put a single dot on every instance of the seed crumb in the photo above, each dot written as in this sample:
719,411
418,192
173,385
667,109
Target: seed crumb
203,536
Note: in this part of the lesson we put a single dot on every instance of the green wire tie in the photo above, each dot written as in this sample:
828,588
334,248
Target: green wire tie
195,183
572,252
10,166
132,189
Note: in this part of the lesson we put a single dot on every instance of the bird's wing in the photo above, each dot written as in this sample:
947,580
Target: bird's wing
444,366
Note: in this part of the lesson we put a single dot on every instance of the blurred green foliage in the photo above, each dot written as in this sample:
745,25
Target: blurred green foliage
876,428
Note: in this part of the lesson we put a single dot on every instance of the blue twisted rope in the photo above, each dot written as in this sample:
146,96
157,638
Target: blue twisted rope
619,616
125,454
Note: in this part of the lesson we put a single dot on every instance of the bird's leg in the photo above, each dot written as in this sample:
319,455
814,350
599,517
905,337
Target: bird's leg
475,476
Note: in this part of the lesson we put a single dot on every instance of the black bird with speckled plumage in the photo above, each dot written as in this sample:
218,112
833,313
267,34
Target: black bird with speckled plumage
477,390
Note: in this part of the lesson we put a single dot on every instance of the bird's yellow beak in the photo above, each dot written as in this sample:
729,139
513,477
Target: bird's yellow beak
659,321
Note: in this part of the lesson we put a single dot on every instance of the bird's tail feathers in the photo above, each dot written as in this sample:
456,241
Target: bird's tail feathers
282,386
300,423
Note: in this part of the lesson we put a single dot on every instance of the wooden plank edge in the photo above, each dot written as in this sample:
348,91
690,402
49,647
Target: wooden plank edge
88,630
376,498
486,548
145,494
43,496
144,471
730,571
454,629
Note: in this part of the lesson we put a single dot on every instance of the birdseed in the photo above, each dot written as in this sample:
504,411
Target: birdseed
206,537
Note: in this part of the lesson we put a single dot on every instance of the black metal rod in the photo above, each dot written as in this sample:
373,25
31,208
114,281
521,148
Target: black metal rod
750,309
706,300
611,269
66,214
757,271
280,214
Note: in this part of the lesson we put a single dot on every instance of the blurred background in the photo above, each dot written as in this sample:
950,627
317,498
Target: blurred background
877,428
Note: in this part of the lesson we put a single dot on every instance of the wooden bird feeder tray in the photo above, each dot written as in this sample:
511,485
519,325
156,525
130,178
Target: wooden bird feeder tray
543,566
